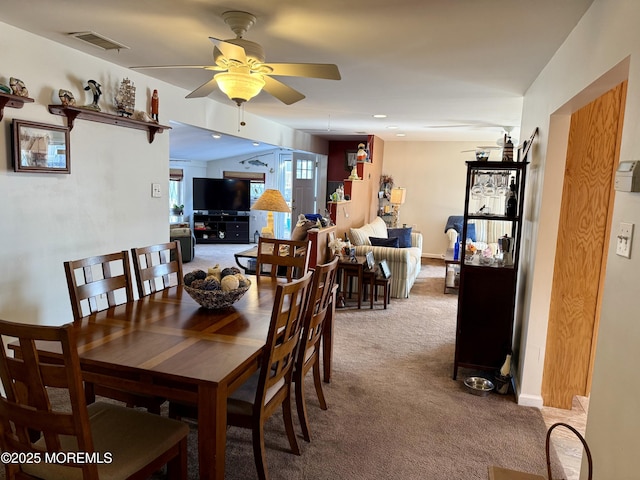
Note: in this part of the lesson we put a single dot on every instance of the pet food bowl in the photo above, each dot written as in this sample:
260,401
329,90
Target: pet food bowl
478,386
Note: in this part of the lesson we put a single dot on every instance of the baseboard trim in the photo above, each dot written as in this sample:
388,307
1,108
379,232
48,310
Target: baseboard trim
438,256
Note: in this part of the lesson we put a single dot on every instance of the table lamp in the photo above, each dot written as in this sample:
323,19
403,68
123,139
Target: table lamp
398,196
270,201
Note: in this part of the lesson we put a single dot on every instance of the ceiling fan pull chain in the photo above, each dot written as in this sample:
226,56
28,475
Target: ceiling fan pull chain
241,122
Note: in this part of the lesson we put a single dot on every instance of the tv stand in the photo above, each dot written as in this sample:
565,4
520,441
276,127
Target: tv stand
221,228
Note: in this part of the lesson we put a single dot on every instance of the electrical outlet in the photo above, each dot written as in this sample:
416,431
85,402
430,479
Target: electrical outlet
155,190
623,240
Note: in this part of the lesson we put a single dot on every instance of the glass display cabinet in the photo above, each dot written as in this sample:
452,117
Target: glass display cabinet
489,258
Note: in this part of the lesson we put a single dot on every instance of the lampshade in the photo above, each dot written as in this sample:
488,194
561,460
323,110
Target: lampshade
239,85
272,201
398,196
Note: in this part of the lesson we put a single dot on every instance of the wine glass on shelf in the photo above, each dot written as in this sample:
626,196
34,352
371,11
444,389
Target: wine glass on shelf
489,188
502,188
478,187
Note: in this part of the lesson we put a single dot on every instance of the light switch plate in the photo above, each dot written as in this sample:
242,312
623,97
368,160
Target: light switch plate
623,239
155,190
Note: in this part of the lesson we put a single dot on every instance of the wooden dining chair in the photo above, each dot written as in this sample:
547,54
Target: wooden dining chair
157,267
319,303
131,444
254,401
95,284
282,258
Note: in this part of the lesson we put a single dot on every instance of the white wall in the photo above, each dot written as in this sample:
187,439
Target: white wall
599,45
434,174
105,204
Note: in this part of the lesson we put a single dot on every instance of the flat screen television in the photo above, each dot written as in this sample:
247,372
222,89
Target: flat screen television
221,194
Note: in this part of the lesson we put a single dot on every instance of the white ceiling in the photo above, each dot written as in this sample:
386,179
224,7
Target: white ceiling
426,64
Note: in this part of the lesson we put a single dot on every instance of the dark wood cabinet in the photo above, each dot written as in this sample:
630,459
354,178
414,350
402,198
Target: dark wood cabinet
488,277
221,228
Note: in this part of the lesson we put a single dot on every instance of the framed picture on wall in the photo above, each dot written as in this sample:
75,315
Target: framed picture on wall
38,147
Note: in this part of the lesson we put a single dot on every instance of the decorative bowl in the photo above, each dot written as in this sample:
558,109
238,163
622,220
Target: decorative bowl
217,299
478,386
482,155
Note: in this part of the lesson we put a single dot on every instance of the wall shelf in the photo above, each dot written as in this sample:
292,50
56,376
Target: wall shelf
93,116
13,101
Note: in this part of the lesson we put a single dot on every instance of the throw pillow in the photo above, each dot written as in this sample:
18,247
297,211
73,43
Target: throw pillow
360,236
384,242
403,234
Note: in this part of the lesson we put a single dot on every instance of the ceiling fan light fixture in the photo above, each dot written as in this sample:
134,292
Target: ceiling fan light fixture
240,87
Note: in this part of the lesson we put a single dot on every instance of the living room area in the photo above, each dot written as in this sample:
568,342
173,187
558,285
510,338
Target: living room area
108,203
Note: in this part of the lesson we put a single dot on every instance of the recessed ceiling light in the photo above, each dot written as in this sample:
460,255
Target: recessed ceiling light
379,115
216,135
401,134
256,144
392,127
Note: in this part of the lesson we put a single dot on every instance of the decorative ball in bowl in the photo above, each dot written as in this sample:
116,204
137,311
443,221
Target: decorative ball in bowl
217,288
478,386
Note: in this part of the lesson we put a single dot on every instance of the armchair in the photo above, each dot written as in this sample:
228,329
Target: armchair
184,235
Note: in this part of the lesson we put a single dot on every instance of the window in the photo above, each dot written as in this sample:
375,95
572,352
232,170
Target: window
304,169
257,182
176,187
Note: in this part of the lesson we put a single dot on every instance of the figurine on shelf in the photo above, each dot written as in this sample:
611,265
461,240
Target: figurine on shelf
362,155
354,173
125,99
18,87
507,151
94,87
66,98
155,100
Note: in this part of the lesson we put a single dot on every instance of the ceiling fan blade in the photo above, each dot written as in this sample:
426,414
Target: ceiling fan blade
204,90
309,70
282,92
204,67
230,50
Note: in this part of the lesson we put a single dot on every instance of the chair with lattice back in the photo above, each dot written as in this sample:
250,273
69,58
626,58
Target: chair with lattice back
255,400
99,282
157,267
43,411
321,294
95,284
282,258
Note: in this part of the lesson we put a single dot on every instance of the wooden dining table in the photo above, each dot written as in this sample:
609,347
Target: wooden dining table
165,344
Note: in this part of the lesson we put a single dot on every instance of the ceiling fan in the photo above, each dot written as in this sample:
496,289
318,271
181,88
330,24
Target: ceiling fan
243,71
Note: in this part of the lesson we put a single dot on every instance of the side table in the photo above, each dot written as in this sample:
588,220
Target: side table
251,255
348,270
374,281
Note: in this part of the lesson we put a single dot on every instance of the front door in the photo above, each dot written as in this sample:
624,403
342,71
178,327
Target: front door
304,172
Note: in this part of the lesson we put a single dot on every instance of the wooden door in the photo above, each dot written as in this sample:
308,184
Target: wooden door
583,237
304,170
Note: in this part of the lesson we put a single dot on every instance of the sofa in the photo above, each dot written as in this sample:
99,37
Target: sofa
183,233
404,261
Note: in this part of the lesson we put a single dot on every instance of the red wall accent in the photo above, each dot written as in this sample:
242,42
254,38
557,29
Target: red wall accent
336,171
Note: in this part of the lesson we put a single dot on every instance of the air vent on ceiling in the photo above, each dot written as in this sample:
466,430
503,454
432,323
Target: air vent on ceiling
98,40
